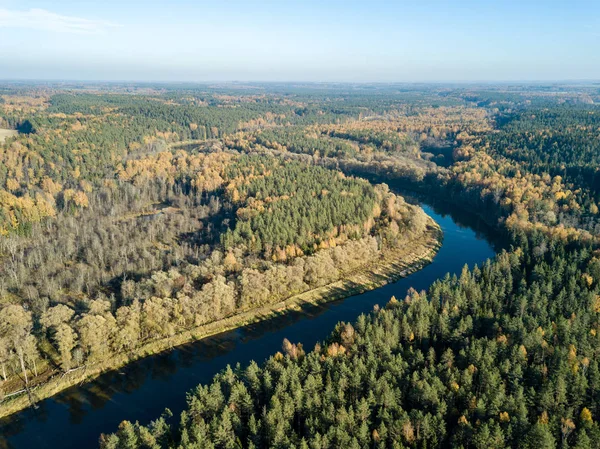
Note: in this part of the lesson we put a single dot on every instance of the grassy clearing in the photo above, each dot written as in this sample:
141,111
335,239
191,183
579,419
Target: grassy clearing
6,133
392,265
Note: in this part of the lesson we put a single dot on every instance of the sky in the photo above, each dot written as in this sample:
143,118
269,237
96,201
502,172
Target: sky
289,40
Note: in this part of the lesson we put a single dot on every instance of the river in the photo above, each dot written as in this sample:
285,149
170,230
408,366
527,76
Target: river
76,417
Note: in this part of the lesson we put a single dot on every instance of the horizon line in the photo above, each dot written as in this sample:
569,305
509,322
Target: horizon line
291,81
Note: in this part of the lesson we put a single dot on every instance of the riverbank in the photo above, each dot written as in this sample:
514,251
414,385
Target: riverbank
391,265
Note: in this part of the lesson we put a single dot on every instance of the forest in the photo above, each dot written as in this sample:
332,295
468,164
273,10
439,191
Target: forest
130,217
111,251
502,356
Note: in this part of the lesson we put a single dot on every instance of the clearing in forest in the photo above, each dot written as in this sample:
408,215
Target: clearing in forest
6,133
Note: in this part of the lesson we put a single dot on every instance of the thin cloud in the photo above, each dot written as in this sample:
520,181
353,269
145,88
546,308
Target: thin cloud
41,19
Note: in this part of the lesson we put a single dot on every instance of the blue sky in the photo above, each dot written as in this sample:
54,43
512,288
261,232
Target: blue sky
287,40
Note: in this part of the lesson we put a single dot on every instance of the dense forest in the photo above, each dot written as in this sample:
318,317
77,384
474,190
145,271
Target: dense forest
502,356
109,250
147,213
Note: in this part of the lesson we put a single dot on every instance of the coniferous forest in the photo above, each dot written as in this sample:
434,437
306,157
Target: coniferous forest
133,217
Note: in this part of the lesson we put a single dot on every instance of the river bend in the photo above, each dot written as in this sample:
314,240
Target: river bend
75,418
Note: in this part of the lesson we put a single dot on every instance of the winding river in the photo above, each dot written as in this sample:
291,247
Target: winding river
76,417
